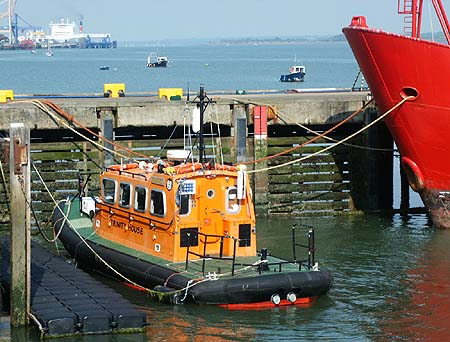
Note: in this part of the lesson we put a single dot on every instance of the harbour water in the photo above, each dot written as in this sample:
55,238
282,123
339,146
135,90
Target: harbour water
218,67
390,284
390,273
383,269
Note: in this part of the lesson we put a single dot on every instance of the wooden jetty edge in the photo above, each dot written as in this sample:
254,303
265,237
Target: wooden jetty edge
66,301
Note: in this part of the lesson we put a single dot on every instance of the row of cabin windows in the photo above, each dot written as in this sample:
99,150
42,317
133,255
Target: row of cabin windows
157,197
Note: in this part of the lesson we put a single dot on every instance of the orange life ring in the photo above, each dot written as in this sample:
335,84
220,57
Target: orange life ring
225,167
123,167
185,168
221,167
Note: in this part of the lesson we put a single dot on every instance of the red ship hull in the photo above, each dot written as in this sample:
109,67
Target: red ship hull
395,67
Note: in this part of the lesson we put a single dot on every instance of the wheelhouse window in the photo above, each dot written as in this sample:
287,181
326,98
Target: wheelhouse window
186,189
157,203
185,204
140,198
125,195
232,202
109,191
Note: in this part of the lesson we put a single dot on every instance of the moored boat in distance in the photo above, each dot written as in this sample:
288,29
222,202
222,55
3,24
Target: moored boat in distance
398,67
154,60
184,229
296,74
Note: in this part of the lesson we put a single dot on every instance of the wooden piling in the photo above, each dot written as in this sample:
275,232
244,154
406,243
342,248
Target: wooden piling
108,133
371,168
404,193
240,132
20,223
381,164
260,146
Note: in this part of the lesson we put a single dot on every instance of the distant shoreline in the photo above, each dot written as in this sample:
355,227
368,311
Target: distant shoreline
247,41
277,41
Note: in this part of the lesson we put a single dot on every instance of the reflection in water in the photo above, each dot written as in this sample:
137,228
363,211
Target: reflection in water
192,326
390,283
425,313
207,323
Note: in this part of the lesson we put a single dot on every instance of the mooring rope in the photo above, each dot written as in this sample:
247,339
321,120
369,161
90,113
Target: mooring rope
116,272
317,137
381,117
332,139
42,105
55,237
38,323
71,118
167,141
156,293
323,135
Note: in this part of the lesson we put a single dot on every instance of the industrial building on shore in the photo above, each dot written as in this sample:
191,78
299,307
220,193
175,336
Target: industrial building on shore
67,34
62,34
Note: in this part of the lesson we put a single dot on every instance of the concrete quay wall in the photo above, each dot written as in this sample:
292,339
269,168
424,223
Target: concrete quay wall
304,108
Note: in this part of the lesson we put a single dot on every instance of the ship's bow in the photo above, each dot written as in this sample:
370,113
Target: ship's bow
413,73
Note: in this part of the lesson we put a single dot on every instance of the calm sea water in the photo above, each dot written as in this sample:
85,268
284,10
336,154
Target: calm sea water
390,273
217,67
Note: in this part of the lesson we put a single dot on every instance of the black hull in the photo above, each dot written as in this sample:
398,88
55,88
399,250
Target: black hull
260,289
245,290
157,65
297,77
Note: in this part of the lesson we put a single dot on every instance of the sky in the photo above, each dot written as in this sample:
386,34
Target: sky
150,20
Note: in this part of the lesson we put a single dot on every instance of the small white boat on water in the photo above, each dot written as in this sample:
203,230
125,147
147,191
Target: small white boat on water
296,74
153,61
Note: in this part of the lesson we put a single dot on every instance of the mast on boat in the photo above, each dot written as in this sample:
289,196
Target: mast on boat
202,101
413,20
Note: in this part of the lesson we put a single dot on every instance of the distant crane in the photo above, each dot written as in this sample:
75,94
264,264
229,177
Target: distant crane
7,8
15,26
12,30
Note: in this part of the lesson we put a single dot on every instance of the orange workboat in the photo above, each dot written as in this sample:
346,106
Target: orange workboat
185,231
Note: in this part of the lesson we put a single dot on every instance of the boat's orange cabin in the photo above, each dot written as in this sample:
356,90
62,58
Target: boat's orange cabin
161,211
